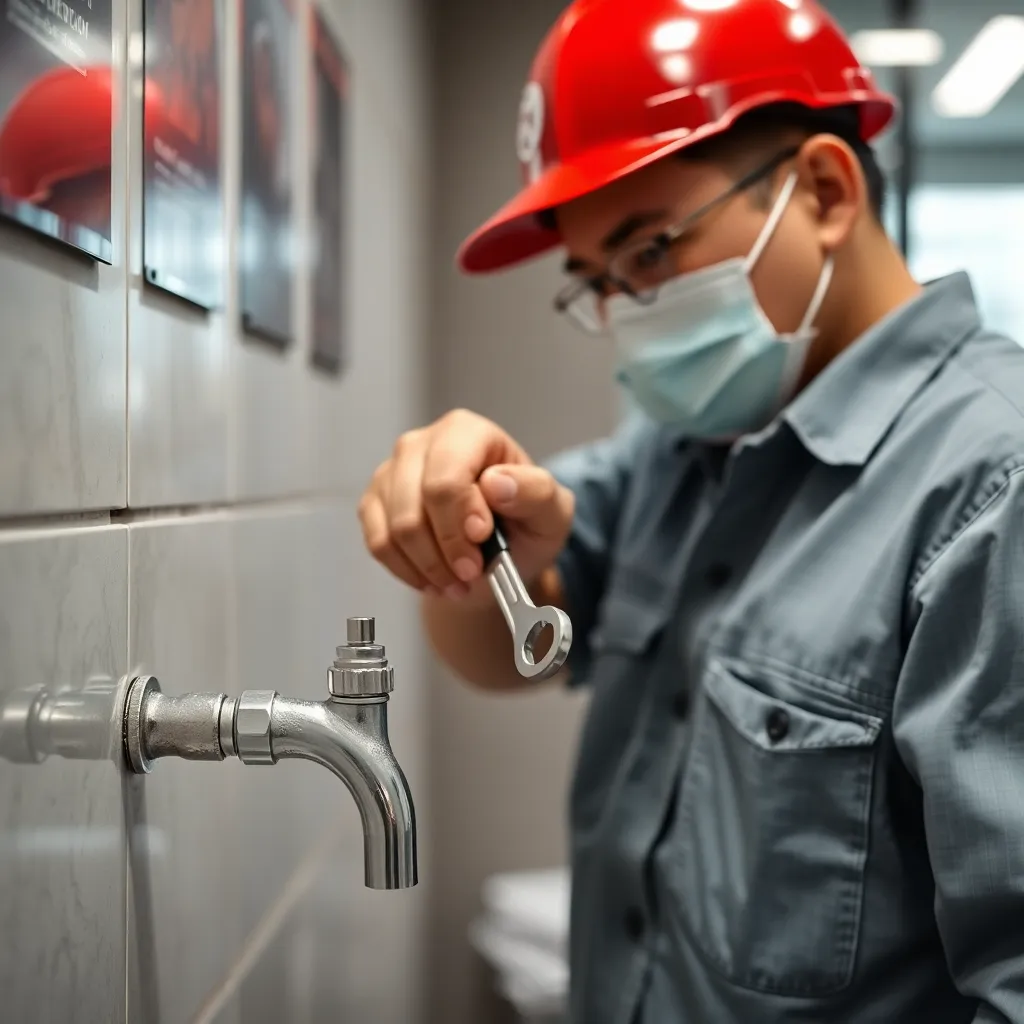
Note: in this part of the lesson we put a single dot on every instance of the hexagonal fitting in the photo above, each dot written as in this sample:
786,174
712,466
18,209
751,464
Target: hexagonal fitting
252,727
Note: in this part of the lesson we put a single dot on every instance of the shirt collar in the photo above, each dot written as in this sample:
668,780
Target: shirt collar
844,413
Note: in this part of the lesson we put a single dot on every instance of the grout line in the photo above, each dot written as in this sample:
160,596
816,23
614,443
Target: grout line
129,881
124,517
267,928
16,530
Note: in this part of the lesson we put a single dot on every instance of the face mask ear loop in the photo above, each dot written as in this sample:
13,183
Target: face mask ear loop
773,222
819,294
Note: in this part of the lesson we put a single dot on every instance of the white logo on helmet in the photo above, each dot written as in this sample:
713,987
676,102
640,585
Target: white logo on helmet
530,129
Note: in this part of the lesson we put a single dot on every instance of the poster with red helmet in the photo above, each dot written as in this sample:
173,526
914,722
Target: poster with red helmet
56,117
182,217
266,242
330,91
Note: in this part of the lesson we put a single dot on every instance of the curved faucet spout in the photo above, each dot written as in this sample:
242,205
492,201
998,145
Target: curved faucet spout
347,733
351,739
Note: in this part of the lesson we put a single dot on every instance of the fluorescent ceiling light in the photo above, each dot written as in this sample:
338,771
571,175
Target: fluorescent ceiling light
985,71
897,47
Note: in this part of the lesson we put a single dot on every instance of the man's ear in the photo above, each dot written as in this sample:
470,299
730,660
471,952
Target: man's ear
832,178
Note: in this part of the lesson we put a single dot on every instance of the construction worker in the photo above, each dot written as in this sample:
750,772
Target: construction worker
795,574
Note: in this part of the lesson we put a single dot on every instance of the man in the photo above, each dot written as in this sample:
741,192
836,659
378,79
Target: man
796,575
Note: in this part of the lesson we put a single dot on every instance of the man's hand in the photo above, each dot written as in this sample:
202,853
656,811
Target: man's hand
429,507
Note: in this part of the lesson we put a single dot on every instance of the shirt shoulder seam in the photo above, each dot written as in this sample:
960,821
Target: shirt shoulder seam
996,484
990,385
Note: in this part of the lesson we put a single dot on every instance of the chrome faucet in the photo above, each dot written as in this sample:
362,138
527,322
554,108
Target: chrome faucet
347,733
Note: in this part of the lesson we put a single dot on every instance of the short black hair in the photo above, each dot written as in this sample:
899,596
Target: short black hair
763,126
766,125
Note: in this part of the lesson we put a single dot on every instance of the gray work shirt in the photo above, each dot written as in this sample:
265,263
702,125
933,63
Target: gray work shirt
799,793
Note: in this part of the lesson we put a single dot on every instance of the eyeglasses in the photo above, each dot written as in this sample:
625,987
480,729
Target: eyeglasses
639,270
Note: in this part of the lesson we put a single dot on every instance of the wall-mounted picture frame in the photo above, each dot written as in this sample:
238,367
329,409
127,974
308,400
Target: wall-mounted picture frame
266,236
328,160
182,216
56,120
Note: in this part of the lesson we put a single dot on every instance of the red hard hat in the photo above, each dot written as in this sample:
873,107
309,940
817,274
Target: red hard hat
618,84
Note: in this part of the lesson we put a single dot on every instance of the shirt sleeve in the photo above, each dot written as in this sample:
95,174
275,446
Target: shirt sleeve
598,474
958,724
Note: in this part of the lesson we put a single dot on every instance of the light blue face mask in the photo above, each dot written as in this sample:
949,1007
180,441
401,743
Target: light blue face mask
704,357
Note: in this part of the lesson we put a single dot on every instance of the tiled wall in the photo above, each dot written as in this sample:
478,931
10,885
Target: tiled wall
207,892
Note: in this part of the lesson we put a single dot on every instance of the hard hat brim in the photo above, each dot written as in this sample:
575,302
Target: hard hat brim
516,233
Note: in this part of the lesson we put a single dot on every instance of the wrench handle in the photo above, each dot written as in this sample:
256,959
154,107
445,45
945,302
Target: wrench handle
494,545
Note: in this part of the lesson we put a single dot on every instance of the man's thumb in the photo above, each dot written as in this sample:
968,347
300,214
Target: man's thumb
521,492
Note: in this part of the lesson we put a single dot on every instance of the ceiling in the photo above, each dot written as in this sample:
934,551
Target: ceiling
957,22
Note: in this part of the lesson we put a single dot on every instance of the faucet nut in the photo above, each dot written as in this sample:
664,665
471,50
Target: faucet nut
350,681
252,727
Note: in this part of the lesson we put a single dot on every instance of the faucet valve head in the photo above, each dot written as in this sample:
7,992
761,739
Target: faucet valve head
361,669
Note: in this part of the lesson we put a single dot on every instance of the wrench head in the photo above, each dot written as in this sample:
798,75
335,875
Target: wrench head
528,635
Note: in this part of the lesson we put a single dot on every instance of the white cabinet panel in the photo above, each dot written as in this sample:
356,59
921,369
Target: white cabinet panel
186,929
62,359
63,625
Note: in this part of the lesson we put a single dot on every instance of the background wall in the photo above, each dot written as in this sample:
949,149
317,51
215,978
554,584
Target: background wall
179,501
500,765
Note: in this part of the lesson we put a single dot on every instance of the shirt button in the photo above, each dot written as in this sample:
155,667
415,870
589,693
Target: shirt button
718,575
634,923
681,704
777,725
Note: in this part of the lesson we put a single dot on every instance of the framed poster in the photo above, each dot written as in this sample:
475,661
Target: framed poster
56,117
182,215
330,92
266,263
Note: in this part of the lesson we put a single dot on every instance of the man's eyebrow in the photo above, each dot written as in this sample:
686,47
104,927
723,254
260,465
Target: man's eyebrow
619,235
630,226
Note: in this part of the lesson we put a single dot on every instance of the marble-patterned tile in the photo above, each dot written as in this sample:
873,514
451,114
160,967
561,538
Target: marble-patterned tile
282,983
183,817
268,599
307,969
63,627
62,368
352,962
179,411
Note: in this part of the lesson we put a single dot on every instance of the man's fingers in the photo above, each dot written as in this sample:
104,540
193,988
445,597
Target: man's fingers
378,540
408,521
457,509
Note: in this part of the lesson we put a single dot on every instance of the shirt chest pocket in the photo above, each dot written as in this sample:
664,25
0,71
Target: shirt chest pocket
766,856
